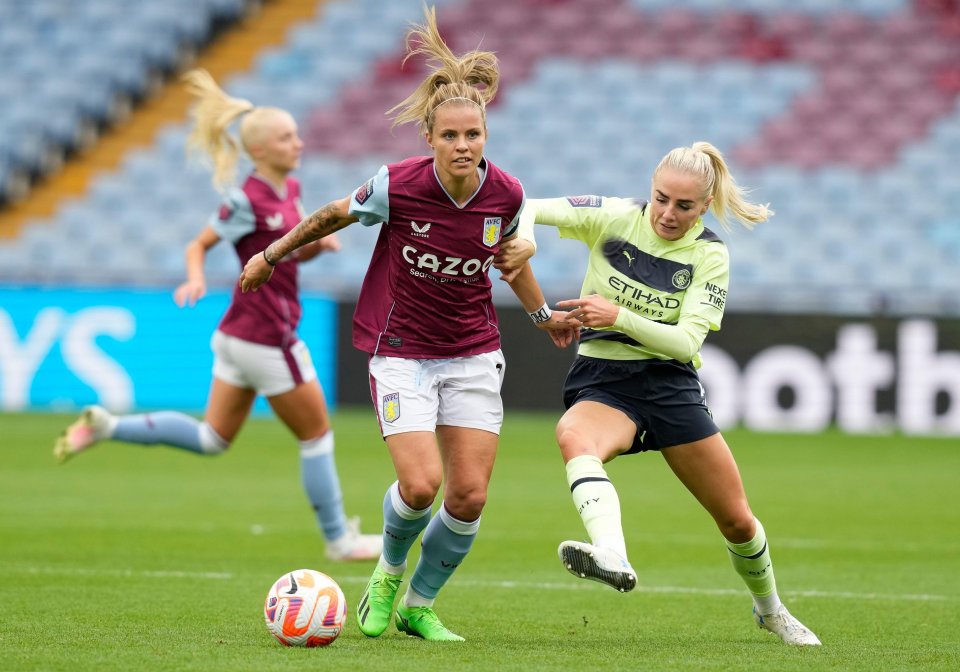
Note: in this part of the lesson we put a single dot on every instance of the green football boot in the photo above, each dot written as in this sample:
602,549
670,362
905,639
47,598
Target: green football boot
423,622
376,606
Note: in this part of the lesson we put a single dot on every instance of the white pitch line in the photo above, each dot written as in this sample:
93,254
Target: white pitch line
572,585
153,574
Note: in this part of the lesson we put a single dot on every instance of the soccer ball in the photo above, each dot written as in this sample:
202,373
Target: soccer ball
305,608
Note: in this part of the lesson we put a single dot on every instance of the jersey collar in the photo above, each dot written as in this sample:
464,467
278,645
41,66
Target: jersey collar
281,195
481,171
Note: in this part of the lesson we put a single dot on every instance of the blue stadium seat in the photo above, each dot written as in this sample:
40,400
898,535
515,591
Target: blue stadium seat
574,125
71,62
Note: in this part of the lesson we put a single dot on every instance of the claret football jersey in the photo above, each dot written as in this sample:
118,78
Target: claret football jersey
427,292
251,218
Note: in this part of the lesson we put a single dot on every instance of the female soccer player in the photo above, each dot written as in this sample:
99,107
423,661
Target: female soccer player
425,315
256,349
656,283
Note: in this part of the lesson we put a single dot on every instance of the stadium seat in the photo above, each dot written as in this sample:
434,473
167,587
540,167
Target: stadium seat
73,64
831,113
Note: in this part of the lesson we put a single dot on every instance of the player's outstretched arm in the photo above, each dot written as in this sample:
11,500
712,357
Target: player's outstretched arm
525,286
312,250
194,287
331,217
681,341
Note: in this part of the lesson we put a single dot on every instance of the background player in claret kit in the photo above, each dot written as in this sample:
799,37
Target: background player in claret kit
256,349
655,286
425,315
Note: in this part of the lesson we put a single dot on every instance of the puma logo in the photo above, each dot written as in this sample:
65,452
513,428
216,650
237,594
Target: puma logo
275,221
628,256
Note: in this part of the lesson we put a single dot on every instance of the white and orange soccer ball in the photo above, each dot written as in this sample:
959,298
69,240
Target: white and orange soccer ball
305,608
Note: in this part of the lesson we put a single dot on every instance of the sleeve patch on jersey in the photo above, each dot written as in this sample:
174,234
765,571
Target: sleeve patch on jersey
226,211
365,191
585,201
491,230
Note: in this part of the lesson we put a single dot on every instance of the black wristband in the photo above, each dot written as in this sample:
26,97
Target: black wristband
267,259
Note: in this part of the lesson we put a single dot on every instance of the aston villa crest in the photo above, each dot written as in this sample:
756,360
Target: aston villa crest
391,407
491,231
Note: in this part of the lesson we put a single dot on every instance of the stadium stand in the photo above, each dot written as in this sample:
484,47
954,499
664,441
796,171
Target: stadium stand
70,61
846,119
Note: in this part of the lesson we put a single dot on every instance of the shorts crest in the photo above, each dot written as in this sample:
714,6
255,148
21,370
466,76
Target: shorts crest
491,231
391,407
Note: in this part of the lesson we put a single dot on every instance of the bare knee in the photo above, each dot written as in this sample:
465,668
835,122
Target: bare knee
574,442
420,491
311,432
465,504
738,527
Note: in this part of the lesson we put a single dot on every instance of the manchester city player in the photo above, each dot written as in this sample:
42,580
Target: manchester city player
656,284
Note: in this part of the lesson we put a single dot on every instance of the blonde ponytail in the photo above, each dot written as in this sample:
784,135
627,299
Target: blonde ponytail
212,115
470,79
729,198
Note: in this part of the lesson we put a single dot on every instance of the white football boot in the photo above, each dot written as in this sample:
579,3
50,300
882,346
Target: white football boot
604,565
355,546
786,627
94,424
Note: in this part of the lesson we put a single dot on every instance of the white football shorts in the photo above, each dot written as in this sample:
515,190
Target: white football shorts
416,395
268,370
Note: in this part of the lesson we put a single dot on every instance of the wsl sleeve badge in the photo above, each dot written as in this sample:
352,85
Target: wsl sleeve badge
233,201
588,201
364,192
305,608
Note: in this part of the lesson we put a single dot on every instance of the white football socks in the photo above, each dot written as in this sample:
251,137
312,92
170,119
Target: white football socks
597,502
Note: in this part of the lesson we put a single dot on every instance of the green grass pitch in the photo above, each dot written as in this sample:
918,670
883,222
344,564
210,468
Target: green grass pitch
132,558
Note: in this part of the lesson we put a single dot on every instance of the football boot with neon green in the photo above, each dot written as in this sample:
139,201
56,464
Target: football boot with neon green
376,605
423,622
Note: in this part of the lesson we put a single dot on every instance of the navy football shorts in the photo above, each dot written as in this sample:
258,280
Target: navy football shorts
663,398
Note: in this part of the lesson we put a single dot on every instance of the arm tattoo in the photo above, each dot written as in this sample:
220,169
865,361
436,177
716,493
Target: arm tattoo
317,225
